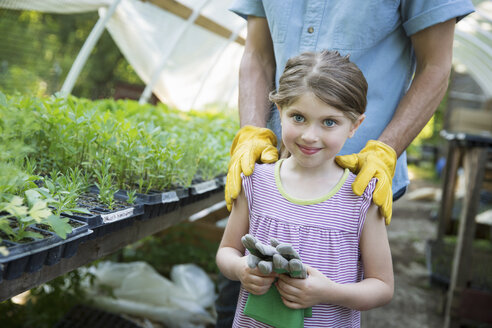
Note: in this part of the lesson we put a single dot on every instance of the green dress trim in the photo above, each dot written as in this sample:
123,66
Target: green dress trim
300,201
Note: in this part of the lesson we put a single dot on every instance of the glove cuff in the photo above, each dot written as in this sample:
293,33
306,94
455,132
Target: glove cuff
381,145
250,131
390,158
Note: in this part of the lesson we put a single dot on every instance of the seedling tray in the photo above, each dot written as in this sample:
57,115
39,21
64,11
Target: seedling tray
80,231
29,256
221,180
155,203
103,220
202,190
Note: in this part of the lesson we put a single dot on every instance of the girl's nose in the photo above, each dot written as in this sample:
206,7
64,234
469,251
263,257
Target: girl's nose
310,135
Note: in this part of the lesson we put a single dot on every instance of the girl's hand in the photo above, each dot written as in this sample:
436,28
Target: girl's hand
303,293
253,280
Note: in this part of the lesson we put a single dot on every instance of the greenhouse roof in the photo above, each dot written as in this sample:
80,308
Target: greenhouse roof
473,46
187,52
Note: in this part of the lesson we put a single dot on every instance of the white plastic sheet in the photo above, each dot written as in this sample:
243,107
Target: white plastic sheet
201,70
145,40
139,290
56,6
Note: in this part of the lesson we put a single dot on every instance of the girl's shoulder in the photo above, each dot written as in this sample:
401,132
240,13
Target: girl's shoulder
369,189
261,172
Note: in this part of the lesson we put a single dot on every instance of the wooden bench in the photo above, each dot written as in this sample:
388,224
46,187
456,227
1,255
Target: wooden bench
474,153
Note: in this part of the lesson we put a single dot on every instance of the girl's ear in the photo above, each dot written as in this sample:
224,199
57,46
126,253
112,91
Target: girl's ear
356,125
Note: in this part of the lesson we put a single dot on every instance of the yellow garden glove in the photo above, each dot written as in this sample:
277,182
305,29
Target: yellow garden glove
250,145
375,160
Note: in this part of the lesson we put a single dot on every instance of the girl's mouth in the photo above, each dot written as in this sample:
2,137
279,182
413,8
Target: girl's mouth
308,150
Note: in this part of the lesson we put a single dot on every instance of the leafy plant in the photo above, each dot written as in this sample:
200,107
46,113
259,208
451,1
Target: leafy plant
131,196
61,193
27,213
105,184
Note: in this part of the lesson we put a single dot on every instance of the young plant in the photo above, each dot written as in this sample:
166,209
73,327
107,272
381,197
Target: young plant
27,211
104,182
61,193
131,196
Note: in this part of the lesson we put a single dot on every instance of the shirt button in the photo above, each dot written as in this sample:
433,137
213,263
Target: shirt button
310,29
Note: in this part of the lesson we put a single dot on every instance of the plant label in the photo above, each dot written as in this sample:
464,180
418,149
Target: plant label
116,216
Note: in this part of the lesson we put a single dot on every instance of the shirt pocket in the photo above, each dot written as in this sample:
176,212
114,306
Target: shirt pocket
278,16
361,24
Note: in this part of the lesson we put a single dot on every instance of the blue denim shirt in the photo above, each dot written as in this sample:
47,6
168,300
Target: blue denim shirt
376,34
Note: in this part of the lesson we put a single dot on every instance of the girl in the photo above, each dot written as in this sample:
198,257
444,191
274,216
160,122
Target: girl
340,237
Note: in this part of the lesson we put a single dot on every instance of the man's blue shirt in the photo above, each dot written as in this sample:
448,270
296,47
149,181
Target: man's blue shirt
376,34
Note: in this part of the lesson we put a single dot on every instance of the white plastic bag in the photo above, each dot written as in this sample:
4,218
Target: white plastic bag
196,282
139,290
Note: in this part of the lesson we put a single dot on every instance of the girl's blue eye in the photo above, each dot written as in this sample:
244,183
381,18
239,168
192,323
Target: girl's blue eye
329,123
298,118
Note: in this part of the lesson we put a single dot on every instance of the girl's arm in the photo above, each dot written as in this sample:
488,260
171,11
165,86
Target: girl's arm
230,256
377,287
375,290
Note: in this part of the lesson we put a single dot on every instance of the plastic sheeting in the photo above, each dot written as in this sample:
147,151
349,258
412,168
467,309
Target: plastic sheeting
472,49
203,67
199,57
55,6
137,289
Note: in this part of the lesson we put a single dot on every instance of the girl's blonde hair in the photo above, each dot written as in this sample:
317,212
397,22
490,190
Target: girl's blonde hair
332,78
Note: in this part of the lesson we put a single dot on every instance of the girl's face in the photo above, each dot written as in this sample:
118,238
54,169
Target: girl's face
314,132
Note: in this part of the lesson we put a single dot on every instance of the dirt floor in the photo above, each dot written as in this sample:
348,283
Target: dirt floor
416,303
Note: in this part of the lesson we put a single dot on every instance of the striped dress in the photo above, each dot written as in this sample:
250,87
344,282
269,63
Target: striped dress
324,231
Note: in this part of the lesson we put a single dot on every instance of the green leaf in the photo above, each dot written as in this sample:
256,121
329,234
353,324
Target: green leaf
40,211
46,193
16,207
59,225
29,234
80,210
5,227
50,185
32,196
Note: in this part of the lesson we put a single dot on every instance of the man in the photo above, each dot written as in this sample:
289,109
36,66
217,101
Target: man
404,49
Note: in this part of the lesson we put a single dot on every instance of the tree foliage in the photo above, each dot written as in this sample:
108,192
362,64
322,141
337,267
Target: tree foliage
38,50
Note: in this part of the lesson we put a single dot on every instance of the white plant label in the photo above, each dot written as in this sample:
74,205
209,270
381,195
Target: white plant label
200,188
168,197
116,216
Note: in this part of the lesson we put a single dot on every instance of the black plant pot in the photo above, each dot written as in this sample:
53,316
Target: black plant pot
69,245
28,256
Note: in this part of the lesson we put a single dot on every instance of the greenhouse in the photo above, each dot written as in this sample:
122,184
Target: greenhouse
117,119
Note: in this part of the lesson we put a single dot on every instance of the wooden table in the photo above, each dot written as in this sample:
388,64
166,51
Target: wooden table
472,151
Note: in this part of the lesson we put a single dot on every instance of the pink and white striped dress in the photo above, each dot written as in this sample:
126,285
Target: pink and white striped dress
324,231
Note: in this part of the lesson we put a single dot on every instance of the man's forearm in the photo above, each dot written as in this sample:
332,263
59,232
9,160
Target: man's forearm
434,51
255,83
416,108
256,74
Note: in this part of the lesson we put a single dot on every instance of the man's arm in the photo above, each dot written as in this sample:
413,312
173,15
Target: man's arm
433,49
256,74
